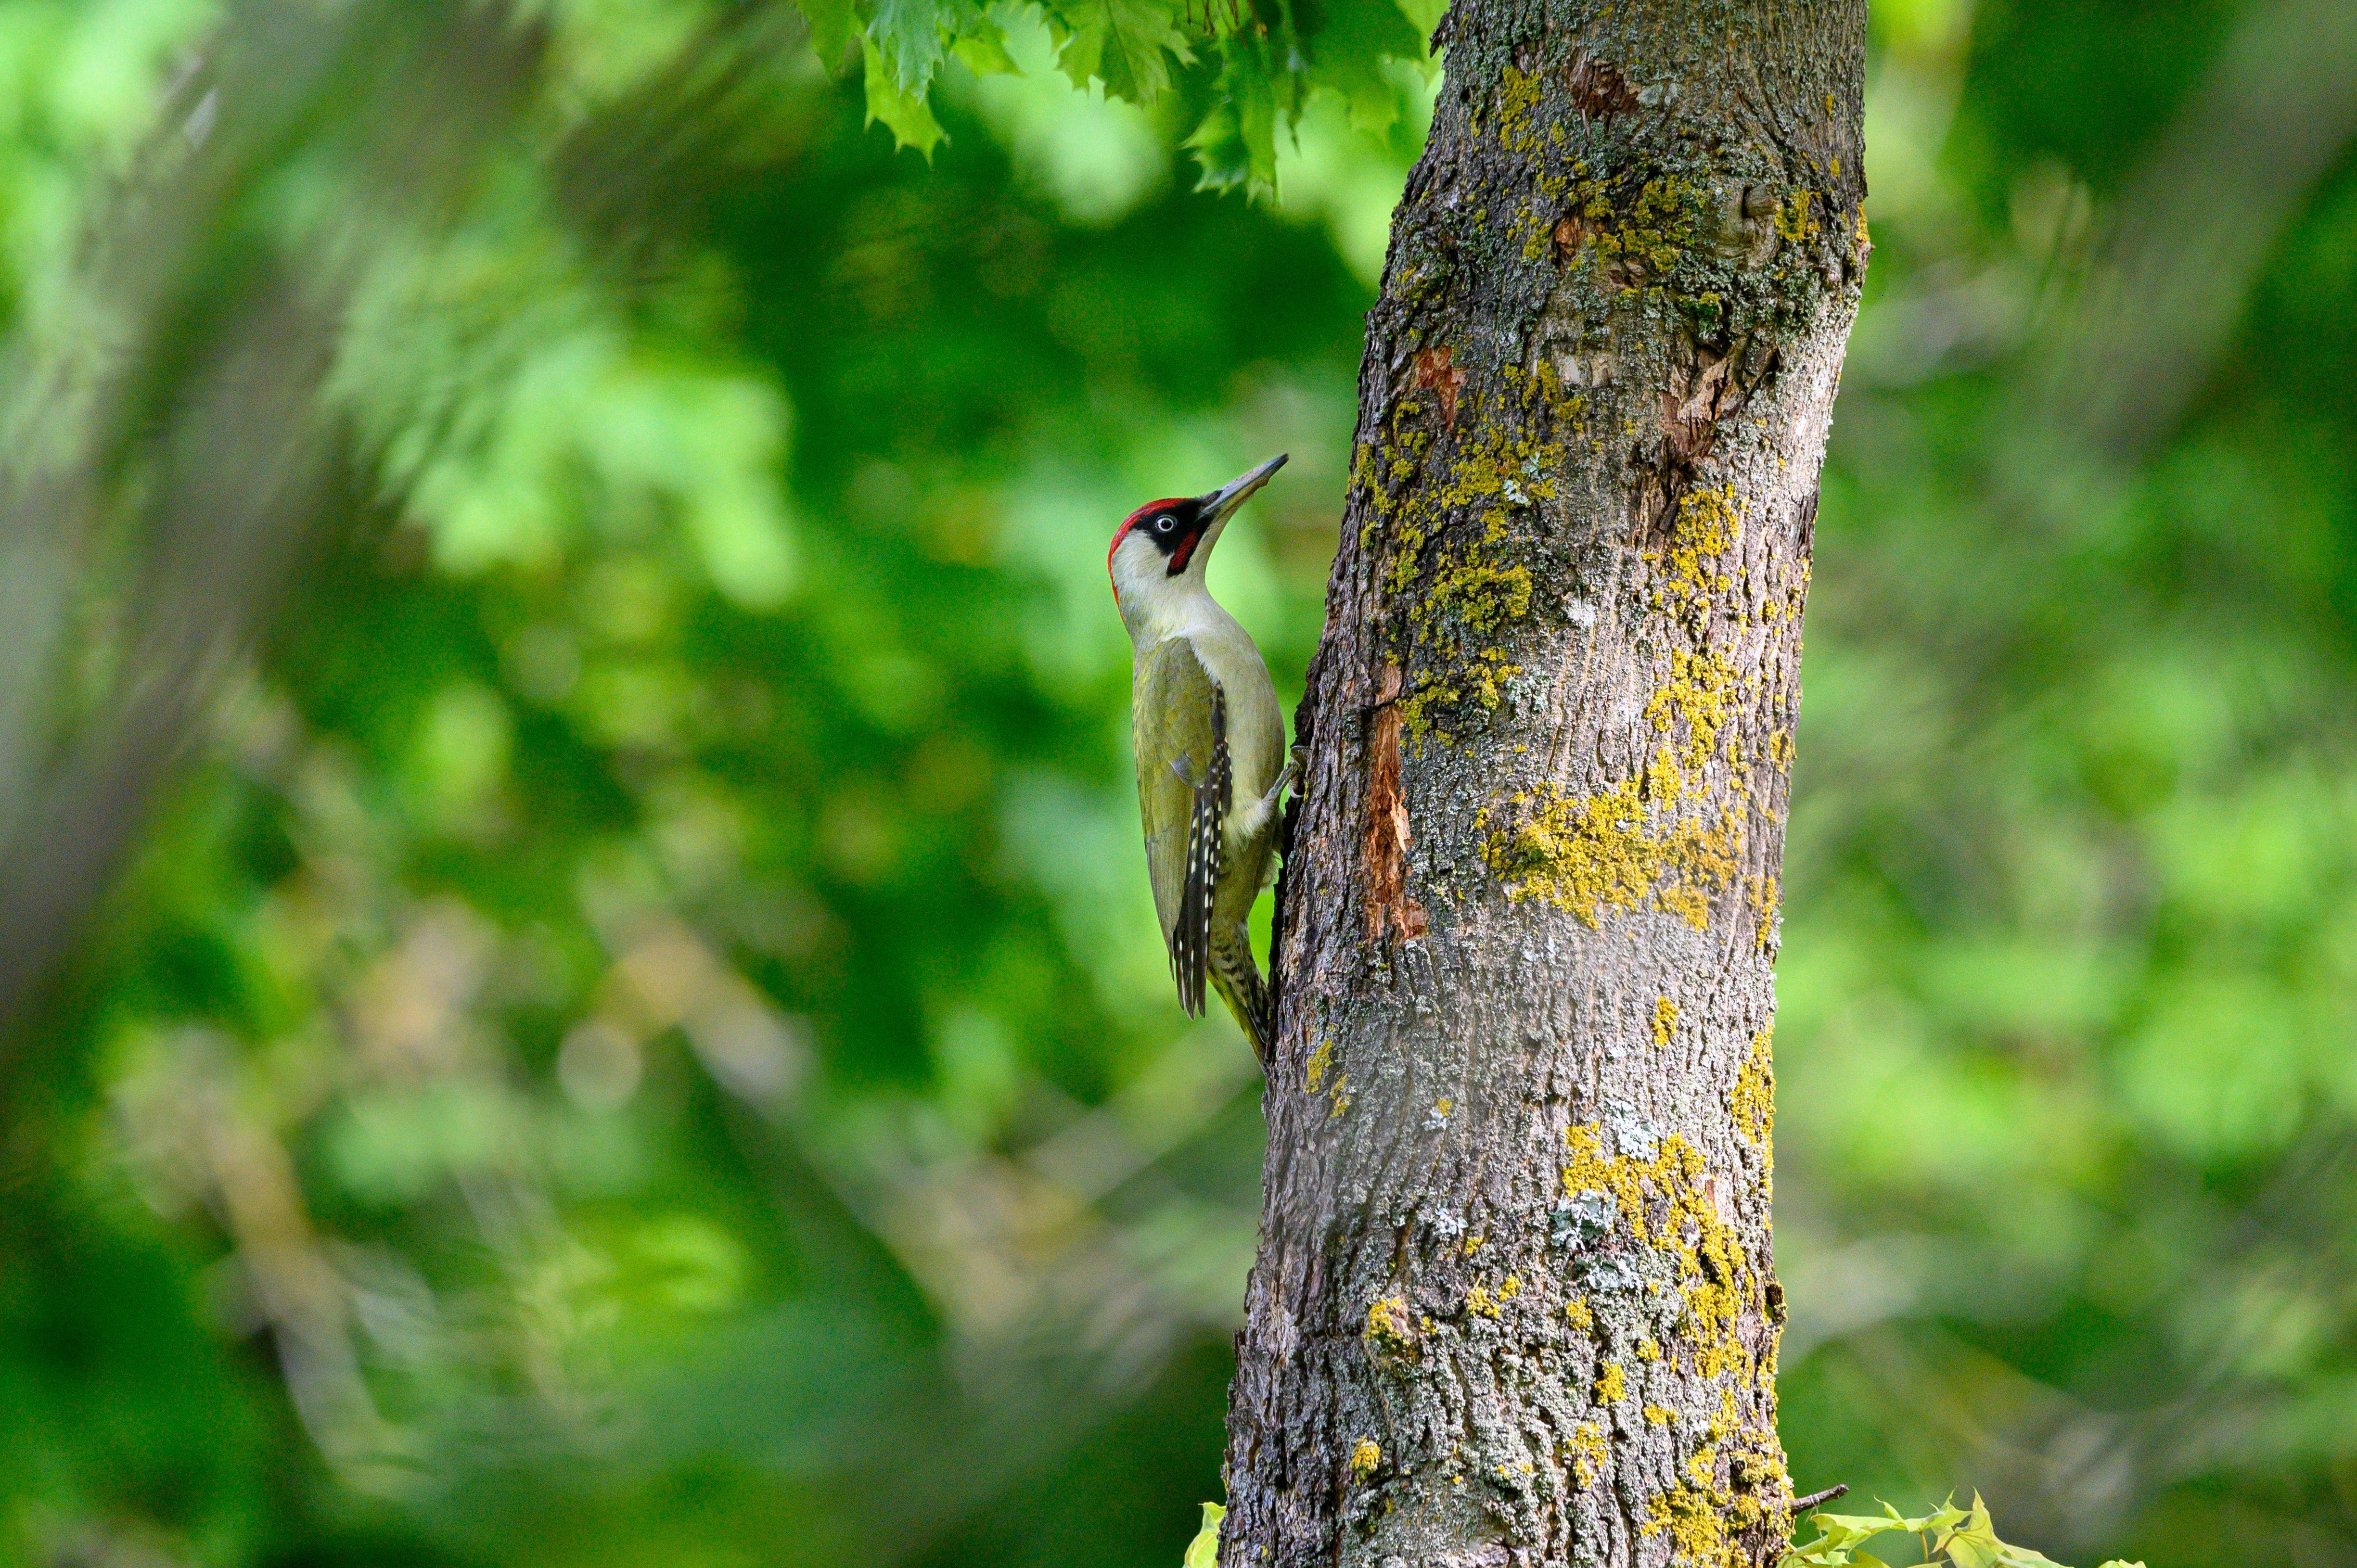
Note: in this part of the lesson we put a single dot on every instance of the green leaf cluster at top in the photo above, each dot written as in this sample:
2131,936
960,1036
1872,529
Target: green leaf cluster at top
1962,1538
1258,62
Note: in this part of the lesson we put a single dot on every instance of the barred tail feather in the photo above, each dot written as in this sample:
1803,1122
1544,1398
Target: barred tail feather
1237,979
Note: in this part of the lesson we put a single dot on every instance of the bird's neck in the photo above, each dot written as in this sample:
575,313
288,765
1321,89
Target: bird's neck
1155,606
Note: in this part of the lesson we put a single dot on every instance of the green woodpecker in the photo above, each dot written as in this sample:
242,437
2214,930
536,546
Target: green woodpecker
1212,760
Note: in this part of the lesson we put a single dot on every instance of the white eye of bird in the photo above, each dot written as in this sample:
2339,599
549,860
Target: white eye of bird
1164,523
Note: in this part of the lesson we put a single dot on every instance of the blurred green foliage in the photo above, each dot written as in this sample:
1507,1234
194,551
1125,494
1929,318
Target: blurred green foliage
1957,1538
638,1034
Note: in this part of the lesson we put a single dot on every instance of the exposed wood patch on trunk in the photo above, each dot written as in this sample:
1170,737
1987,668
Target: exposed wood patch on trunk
1389,908
1699,398
1598,88
1690,412
1437,368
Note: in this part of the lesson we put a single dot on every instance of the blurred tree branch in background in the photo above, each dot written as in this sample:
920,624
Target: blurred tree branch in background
178,495
174,444
2277,109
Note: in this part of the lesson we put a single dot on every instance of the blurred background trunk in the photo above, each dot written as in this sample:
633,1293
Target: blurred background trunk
1514,1301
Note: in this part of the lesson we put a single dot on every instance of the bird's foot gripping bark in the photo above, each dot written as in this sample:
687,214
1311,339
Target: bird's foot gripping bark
1250,821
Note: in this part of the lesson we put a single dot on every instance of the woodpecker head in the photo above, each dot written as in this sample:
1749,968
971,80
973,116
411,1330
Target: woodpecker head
1163,547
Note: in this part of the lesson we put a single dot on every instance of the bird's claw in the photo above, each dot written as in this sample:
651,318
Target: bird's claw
1288,777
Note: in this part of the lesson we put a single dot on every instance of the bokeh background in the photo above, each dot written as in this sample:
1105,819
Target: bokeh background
577,982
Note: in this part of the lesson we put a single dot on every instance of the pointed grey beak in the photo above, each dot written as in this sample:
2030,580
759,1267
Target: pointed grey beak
1238,490
1221,503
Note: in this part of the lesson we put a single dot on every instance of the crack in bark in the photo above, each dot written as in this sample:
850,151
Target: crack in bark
1389,906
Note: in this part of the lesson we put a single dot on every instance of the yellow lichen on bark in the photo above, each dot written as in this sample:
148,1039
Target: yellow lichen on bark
1586,1445
1709,523
1766,897
1519,93
1652,836
1695,696
1605,854
1753,1098
1477,590
1715,1279
1386,1334
1646,243
1691,1519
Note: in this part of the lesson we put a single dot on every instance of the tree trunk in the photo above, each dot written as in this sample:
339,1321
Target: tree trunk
1515,1303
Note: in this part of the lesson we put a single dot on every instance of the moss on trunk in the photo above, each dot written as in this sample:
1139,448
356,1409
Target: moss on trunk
1515,1302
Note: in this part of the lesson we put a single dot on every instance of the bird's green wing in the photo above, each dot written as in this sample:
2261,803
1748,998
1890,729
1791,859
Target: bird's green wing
1178,720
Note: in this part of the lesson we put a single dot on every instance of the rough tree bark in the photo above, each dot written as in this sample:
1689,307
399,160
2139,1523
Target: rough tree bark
1515,1303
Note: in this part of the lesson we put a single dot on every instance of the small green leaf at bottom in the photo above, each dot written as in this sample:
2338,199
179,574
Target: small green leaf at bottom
1204,1550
